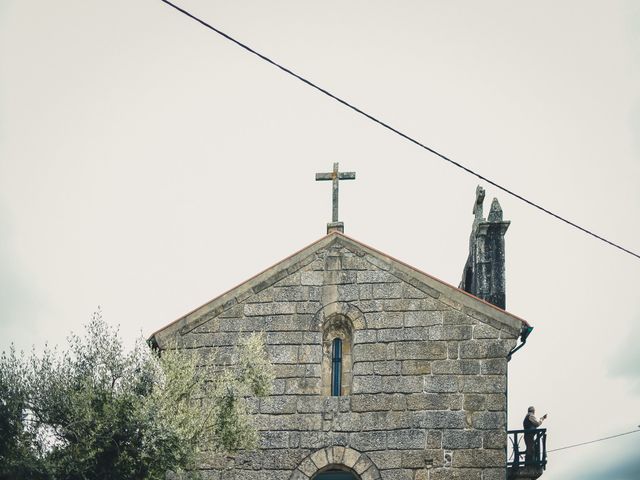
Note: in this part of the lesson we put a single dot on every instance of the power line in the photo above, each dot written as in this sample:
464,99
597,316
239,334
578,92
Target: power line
398,132
592,441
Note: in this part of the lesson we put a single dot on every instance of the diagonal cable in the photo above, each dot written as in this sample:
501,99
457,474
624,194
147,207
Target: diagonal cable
594,441
398,132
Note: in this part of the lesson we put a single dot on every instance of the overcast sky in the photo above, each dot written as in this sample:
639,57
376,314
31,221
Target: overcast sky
147,165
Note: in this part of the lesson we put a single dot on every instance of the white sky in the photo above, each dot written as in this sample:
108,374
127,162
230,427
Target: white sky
147,165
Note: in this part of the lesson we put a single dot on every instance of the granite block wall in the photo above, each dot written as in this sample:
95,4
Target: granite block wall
427,397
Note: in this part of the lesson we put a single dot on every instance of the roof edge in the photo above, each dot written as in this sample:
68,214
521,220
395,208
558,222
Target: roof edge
454,296
259,281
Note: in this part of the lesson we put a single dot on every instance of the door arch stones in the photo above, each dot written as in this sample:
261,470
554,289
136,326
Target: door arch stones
336,458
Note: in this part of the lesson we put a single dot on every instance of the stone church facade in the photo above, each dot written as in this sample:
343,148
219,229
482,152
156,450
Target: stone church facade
382,371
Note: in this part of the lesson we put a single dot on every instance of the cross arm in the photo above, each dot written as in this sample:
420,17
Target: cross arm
341,176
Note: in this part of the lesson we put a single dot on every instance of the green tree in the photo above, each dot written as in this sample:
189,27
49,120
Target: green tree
95,411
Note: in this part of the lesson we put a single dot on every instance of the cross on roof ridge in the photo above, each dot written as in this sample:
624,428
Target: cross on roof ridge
335,176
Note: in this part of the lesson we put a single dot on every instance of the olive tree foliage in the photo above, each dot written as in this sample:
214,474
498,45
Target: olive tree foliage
96,411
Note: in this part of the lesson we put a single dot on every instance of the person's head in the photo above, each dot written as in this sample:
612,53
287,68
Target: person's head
531,410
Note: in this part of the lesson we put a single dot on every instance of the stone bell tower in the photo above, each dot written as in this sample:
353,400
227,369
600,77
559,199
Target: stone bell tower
484,271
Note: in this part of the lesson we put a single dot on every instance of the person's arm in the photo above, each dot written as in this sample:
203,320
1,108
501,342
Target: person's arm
536,423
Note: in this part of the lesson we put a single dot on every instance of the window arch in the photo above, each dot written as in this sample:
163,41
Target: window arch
337,340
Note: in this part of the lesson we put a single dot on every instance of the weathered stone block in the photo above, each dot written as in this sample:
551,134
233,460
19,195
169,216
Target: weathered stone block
434,439
494,366
489,420
397,474
339,277
285,459
408,304
375,277
362,465
278,404
455,317
422,318
386,459
365,336
332,262
455,474
406,439
482,331
310,354
369,352
455,439
367,384
271,439
276,323
354,263
366,292
348,293
450,332
387,290
302,386
313,440
371,474
308,467
391,367
402,334
319,458
312,278
484,349
286,370
284,338
422,351
282,353
441,384
298,475
262,309
378,320
493,474
444,419
474,402
415,459
290,294
363,368
381,402
497,401
309,404
416,367
402,384
409,291
350,457
288,422
366,441
455,367
494,439
478,458
453,350
484,384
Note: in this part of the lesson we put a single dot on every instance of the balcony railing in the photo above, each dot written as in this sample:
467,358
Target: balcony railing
527,451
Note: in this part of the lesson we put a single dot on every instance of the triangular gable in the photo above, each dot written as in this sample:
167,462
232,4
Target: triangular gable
454,297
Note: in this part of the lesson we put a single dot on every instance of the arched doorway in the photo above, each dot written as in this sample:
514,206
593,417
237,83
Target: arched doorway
336,463
335,475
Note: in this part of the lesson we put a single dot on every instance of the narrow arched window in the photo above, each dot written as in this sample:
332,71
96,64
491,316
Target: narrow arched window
336,367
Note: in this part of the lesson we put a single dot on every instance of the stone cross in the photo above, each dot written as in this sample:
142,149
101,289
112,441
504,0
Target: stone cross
335,176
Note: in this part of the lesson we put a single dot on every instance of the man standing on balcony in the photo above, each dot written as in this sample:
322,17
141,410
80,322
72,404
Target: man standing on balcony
531,423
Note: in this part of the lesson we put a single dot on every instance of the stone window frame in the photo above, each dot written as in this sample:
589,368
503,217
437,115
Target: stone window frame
355,320
337,326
